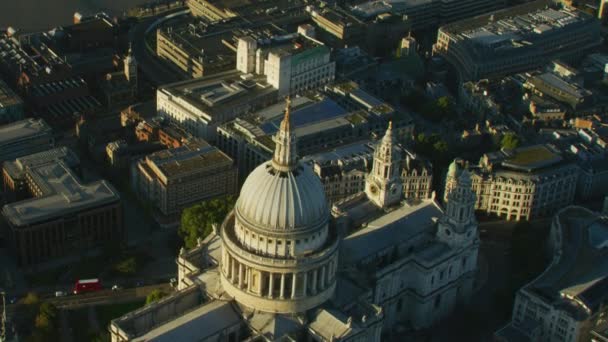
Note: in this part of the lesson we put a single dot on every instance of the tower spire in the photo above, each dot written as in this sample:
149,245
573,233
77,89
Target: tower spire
285,155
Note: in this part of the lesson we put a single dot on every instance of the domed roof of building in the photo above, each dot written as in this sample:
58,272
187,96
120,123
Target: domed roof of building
283,201
454,169
283,194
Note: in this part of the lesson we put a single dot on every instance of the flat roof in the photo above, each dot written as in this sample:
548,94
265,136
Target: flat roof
221,91
185,160
531,158
347,152
23,129
555,81
196,325
62,194
17,167
8,97
321,111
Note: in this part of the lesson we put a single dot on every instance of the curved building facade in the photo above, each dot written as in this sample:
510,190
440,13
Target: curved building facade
279,250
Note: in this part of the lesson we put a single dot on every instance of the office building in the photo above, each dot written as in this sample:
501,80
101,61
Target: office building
322,122
11,105
425,14
45,81
63,215
521,184
174,179
342,171
197,48
200,105
566,302
292,63
14,172
516,39
24,137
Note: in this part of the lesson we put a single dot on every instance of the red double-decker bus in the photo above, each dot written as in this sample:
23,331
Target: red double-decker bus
87,285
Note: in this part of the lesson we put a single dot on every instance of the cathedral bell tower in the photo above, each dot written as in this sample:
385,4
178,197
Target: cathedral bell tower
383,185
458,226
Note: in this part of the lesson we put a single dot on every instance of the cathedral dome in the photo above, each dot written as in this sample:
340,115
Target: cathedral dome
283,201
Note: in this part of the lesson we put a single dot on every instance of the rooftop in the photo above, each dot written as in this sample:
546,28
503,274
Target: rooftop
61,193
565,87
7,96
185,160
204,321
530,158
23,129
388,229
18,167
515,27
220,92
577,279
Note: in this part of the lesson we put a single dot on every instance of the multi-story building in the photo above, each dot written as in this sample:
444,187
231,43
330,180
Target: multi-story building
417,177
292,63
64,216
14,172
560,89
568,299
200,105
342,170
197,48
520,38
212,10
174,179
255,12
24,137
47,84
424,14
11,105
282,255
521,184
321,122
377,33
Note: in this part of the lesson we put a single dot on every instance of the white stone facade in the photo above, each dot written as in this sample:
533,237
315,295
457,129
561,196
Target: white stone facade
289,70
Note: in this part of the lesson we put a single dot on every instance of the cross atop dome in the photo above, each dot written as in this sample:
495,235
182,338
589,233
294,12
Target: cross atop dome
285,155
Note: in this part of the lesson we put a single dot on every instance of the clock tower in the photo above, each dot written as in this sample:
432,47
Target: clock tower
383,185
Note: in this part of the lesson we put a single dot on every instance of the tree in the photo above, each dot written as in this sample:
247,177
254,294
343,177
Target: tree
197,221
509,141
154,296
127,266
45,327
31,298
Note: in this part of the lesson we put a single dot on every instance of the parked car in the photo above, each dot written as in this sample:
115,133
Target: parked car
60,293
